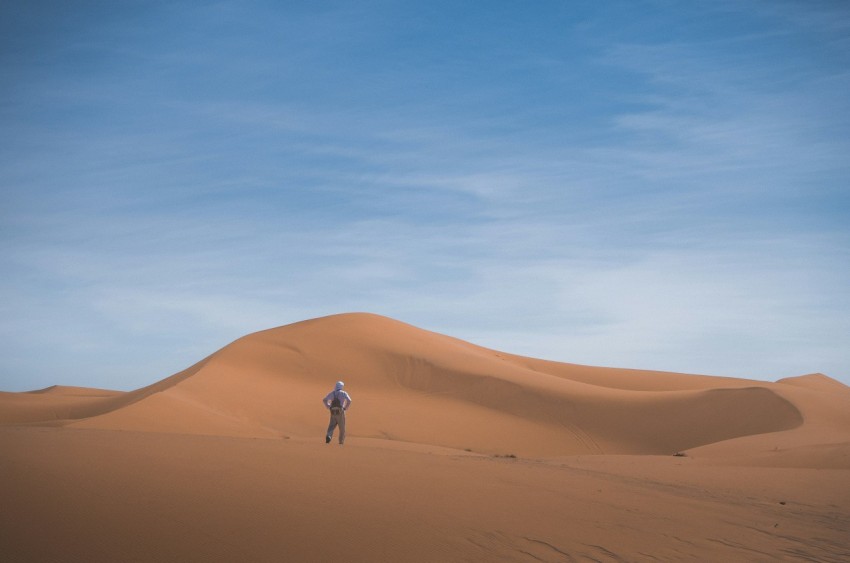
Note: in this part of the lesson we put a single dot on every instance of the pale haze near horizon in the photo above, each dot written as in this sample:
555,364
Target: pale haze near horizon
634,184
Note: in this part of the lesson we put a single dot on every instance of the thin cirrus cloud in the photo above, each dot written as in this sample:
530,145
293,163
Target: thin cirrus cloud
625,186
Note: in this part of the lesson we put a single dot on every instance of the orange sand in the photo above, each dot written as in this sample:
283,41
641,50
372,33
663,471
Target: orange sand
226,461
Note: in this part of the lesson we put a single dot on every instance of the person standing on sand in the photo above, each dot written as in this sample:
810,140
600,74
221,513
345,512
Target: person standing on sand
337,401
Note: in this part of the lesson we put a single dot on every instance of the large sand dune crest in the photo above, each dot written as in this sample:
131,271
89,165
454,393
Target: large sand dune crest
418,386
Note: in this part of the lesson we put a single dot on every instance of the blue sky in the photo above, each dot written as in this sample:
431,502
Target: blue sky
659,185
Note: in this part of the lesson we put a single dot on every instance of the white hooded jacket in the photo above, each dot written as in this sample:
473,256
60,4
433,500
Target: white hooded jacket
338,392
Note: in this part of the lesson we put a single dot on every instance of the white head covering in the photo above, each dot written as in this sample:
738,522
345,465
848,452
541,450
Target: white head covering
339,385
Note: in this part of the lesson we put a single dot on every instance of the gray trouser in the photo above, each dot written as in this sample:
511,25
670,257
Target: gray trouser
337,418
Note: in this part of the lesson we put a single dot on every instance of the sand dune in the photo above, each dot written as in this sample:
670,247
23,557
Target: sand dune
236,442
267,384
56,404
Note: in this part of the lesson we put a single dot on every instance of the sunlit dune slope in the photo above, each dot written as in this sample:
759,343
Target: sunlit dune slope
413,385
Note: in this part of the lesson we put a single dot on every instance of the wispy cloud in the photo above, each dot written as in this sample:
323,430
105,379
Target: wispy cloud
603,195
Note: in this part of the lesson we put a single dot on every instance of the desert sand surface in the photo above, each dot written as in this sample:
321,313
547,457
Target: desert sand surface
454,453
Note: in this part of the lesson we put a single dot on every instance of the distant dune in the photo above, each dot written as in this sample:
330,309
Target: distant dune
428,406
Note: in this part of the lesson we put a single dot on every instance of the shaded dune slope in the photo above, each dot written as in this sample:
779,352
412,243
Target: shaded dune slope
417,386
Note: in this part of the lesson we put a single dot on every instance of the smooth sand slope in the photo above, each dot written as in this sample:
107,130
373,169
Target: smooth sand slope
455,453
